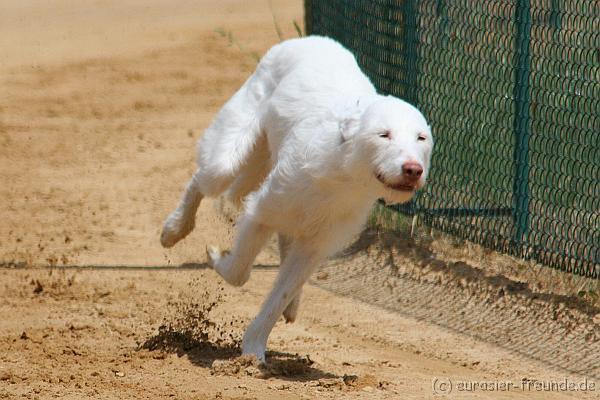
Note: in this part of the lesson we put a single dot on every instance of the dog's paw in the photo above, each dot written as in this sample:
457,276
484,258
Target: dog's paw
291,312
255,341
175,229
290,317
214,254
256,351
168,237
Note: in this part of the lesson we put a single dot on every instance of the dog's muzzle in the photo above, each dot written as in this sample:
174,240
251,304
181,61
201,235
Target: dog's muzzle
409,181
401,186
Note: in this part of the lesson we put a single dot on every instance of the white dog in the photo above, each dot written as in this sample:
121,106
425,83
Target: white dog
309,146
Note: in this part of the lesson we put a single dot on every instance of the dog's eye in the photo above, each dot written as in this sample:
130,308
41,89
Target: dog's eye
385,134
422,138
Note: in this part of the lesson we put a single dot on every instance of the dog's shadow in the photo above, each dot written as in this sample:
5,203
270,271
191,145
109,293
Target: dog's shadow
224,358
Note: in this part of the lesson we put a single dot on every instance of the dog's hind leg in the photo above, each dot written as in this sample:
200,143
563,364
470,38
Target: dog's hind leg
182,220
235,138
293,273
235,267
291,311
252,173
227,146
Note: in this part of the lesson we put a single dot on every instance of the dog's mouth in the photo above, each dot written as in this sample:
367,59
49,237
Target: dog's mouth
400,186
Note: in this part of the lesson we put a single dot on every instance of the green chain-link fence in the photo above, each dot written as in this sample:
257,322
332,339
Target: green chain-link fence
512,91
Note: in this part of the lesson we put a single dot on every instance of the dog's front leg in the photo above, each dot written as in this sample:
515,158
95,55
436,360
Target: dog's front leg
235,267
295,270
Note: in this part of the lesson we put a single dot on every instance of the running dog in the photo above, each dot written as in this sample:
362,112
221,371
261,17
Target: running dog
308,146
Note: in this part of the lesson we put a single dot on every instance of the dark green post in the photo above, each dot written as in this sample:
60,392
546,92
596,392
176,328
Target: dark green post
410,46
308,17
521,123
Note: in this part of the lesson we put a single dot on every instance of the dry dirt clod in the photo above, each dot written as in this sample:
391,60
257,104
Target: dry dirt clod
38,287
322,276
350,380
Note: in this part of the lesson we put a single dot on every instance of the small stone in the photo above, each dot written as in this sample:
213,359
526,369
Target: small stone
252,371
120,374
38,287
368,389
322,275
350,379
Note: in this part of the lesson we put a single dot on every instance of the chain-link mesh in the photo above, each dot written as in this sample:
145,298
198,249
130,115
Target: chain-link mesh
512,91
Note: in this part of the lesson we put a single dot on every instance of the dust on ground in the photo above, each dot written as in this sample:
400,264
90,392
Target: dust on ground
100,110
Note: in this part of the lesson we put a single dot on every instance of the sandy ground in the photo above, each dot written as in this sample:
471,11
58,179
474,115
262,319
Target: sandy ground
100,107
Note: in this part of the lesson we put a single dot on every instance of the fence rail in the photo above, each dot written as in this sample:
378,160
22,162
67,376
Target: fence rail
512,91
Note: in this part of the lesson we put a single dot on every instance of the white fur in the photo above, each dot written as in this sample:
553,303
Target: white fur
309,146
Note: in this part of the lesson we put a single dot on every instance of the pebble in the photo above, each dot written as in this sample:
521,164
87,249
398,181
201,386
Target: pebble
252,371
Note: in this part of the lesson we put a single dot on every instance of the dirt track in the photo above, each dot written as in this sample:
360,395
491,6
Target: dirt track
100,109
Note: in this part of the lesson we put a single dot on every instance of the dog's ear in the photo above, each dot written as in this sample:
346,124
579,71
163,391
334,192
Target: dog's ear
348,128
350,123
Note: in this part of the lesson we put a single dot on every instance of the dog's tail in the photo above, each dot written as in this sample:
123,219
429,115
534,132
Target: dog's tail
226,146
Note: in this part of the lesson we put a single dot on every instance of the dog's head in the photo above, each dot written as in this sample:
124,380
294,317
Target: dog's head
394,145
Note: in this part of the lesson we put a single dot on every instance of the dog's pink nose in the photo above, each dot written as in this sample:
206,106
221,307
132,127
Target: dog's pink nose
412,170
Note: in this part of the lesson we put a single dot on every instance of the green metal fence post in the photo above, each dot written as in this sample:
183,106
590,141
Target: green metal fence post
521,122
308,17
410,46
410,43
